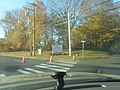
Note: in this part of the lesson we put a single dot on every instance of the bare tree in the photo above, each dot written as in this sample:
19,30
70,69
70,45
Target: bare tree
78,9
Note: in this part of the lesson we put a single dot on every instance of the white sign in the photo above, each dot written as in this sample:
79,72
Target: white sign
56,49
83,41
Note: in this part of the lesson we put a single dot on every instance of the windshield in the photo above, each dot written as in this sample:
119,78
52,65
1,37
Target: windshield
40,39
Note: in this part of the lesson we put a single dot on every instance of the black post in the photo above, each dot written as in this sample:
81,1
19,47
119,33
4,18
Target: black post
60,81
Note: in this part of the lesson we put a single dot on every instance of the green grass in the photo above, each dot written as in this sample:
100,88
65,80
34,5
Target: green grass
88,54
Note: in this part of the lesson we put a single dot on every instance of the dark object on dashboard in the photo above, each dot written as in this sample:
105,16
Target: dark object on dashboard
60,81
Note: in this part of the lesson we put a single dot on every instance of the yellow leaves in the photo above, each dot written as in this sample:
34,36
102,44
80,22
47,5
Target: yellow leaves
18,24
106,37
96,27
100,31
15,39
79,34
96,22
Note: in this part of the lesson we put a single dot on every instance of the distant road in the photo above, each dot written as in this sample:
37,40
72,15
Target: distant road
109,66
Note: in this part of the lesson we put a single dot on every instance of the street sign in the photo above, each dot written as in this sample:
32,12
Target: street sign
83,41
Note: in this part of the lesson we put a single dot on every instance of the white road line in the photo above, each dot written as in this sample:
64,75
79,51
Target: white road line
2,75
68,62
33,70
23,71
55,66
62,64
103,86
40,66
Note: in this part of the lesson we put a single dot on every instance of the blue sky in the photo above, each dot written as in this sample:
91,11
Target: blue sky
7,5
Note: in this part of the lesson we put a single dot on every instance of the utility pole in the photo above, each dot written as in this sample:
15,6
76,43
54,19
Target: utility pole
34,31
28,15
30,36
29,31
34,28
69,34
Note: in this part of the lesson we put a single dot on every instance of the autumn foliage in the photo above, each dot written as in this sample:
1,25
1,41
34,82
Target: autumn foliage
95,24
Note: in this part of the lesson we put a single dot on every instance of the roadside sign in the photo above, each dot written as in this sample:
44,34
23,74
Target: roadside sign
83,41
57,49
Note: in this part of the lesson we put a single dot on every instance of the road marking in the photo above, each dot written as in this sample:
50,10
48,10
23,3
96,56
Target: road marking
68,62
23,71
104,86
40,66
2,75
33,70
98,71
62,64
55,66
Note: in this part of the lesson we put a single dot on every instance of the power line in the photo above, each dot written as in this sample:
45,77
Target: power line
56,19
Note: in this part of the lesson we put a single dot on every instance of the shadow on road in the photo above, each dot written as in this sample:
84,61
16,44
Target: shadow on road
11,68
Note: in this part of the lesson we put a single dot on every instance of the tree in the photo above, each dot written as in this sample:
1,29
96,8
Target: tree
78,9
16,26
99,30
40,22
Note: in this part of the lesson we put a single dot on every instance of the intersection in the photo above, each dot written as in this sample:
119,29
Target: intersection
10,66
14,66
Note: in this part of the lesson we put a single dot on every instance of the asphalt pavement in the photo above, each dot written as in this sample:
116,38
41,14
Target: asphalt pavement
12,69
106,66
10,66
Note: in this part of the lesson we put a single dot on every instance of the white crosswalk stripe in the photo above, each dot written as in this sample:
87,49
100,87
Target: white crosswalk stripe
23,71
68,62
2,75
55,69
61,64
48,67
33,70
55,66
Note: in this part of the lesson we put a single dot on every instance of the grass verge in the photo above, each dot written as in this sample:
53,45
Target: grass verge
88,54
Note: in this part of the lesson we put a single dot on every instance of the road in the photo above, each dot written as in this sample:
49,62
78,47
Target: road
13,66
106,66
10,66
84,82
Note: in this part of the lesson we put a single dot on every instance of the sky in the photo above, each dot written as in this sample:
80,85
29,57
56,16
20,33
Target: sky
8,5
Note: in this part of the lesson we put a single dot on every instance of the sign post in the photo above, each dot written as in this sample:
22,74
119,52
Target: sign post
83,47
